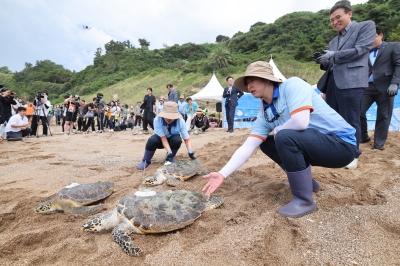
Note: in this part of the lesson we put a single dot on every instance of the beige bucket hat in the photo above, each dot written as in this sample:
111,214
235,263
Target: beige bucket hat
170,111
259,69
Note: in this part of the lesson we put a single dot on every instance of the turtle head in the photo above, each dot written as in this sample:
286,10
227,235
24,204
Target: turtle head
157,179
46,207
92,225
101,222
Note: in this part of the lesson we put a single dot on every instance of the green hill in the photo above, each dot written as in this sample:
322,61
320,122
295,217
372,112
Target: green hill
123,69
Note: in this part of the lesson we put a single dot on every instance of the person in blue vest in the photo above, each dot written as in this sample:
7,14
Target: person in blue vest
231,95
169,130
305,131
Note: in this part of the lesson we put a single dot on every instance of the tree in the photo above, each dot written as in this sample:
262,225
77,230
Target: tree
5,70
221,38
144,43
221,57
97,56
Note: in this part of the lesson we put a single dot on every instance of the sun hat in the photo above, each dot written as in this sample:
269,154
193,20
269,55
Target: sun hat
170,111
260,69
199,110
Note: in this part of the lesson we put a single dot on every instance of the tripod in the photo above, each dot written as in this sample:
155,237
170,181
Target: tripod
40,108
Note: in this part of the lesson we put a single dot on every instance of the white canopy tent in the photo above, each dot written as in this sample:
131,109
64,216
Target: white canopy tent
277,73
211,93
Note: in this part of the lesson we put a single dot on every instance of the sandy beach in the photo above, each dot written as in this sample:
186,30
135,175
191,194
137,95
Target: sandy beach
357,221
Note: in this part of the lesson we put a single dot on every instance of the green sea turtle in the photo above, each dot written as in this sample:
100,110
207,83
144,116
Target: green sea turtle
148,212
74,197
174,173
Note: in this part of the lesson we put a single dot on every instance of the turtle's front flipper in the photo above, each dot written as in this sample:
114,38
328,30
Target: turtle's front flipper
123,239
174,181
87,210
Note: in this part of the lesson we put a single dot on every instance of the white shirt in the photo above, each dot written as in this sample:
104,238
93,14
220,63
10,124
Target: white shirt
41,110
16,120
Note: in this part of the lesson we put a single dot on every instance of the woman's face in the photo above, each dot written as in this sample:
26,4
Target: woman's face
190,102
149,92
112,103
255,86
169,121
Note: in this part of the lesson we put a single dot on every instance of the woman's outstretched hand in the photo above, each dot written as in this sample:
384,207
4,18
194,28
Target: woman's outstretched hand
215,180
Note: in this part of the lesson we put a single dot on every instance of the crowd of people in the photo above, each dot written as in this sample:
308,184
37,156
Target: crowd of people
75,115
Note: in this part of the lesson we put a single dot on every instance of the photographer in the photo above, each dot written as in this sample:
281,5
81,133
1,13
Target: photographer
92,108
41,104
6,102
18,125
101,106
71,106
81,116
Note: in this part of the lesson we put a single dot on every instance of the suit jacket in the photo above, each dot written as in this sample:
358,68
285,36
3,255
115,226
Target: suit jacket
386,68
350,62
173,96
233,97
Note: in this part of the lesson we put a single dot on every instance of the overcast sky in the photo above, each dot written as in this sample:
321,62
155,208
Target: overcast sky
33,30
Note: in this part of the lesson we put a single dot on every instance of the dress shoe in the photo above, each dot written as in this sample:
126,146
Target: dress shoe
366,140
379,147
230,130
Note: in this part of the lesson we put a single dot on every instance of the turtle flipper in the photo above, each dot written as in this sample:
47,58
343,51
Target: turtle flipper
124,240
213,202
174,181
87,210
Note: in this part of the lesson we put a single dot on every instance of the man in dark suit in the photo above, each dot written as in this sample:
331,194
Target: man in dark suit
346,66
384,79
231,95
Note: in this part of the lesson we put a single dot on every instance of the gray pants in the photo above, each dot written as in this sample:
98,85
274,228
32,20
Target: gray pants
383,114
18,135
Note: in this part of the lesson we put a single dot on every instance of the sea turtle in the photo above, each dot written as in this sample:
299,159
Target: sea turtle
174,173
74,197
148,212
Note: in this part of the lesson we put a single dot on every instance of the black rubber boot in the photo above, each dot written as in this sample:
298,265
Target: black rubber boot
302,202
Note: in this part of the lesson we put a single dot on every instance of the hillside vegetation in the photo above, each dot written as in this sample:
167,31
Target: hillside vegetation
120,68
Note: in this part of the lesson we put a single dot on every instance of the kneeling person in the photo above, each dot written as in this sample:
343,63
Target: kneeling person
200,121
169,126
18,125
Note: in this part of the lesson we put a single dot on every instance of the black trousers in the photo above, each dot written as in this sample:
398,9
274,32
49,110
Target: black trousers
148,117
347,102
154,142
19,134
34,125
230,114
383,114
81,123
296,150
89,122
138,120
100,121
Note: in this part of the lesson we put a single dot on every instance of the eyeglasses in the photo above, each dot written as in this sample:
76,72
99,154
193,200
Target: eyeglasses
336,18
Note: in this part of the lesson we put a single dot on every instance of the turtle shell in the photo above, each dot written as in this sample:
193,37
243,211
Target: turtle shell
86,193
165,211
183,169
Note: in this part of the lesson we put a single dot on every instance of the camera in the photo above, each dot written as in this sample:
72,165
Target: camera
318,54
99,97
40,95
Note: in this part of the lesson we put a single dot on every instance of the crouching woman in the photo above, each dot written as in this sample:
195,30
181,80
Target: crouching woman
169,130
306,132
